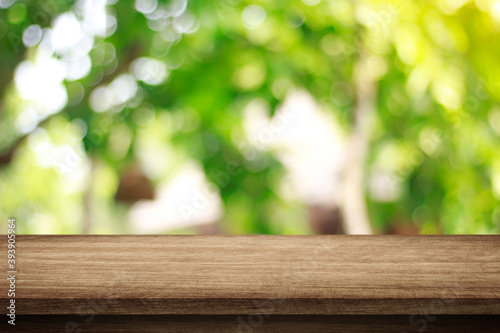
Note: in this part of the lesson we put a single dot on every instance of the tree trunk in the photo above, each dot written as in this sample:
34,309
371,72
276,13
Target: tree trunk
355,214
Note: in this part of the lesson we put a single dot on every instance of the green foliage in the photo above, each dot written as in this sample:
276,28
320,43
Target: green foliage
435,137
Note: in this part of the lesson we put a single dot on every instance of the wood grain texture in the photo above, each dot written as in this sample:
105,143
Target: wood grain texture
225,275
241,324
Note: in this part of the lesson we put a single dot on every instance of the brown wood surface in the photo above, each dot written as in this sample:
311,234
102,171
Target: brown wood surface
254,324
267,275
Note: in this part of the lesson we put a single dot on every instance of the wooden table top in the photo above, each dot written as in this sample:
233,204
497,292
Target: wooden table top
285,275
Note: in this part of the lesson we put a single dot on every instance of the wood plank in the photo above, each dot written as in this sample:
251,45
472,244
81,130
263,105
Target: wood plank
224,275
255,324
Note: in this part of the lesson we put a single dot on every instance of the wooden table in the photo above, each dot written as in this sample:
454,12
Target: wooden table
256,283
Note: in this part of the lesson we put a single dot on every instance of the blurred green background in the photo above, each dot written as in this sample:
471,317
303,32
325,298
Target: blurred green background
233,116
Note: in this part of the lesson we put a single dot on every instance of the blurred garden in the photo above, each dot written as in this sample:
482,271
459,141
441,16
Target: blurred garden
250,117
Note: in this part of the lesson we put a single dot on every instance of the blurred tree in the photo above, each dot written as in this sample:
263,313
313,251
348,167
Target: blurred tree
91,89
